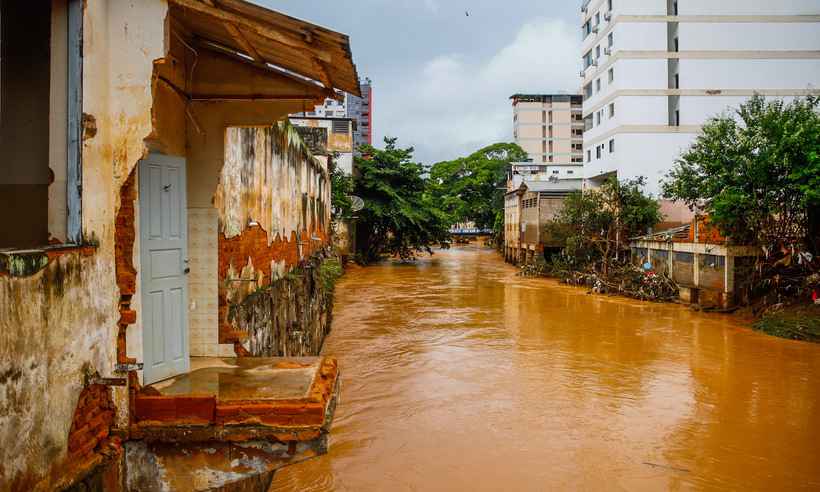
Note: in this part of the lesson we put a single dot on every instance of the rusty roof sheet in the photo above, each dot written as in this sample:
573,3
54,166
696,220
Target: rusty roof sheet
273,39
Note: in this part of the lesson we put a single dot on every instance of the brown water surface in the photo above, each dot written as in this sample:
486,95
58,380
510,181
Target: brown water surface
459,375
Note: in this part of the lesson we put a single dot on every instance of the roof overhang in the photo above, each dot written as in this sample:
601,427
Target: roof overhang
270,40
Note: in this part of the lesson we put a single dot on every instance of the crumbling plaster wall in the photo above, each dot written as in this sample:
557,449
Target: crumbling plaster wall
273,202
60,324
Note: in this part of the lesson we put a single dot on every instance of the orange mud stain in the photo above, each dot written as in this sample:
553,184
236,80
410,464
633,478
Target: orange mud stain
459,375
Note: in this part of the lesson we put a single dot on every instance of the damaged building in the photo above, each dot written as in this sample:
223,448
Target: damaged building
161,300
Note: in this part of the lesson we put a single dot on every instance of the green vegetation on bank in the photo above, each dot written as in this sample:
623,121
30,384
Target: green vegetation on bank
795,323
408,211
399,217
595,225
471,189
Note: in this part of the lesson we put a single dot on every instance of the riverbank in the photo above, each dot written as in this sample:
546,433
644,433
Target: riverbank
792,322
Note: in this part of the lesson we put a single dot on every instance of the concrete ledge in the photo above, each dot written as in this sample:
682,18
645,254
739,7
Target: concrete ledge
245,399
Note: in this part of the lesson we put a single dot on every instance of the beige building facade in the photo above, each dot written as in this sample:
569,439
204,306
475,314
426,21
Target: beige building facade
550,128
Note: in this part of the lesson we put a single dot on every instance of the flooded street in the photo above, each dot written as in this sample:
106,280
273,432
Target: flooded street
459,375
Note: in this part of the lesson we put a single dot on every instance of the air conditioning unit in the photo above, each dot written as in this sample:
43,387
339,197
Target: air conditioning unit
583,73
608,16
594,63
595,30
607,51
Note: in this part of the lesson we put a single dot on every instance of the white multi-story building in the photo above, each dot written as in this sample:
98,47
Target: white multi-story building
655,70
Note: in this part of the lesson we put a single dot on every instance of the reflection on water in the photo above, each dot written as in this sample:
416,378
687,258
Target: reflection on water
459,375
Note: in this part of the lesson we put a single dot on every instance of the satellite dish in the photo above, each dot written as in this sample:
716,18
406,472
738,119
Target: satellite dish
356,203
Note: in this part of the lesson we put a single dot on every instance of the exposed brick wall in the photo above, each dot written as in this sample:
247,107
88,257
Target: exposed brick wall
124,236
707,233
93,419
253,244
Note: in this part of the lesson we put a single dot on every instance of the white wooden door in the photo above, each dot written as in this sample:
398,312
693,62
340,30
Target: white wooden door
163,267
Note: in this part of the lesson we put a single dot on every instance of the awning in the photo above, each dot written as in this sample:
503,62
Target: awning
271,39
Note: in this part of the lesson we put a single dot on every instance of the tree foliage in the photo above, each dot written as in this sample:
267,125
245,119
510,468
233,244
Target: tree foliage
399,217
341,187
756,173
471,189
597,224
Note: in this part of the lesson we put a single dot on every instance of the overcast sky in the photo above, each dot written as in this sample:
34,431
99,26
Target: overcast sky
441,79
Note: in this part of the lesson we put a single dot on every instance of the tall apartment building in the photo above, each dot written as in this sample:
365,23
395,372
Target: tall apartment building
655,70
549,127
360,110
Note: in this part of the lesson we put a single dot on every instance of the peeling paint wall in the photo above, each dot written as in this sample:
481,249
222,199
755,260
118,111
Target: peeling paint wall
271,178
273,202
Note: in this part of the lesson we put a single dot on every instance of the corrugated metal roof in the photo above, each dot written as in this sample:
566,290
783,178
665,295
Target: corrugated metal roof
273,39
674,234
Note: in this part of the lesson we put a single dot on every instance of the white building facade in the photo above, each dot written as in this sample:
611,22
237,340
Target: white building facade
654,71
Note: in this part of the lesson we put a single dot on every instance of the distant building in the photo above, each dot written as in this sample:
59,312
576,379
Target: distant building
339,137
530,171
331,108
708,270
655,71
527,210
360,110
549,127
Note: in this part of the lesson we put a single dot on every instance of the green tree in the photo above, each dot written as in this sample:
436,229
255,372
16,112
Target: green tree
399,217
597,224
756,173
341,187
472,188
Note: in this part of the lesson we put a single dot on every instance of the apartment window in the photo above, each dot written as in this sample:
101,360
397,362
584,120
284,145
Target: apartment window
598,52
589,156
677,81
612,146
554,171
588,59
677,45
570,172
587,29
588,91
597,151
597,19
611,110
675,7
610,40
611,75
597,85
609,5
677,117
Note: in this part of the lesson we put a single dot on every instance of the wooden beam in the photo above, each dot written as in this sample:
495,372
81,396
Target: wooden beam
324,75
266,31
237,36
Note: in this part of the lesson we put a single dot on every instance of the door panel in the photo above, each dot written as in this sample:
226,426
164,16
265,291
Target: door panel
163,267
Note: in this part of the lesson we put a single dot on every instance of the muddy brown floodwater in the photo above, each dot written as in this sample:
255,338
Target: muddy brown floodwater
459,375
